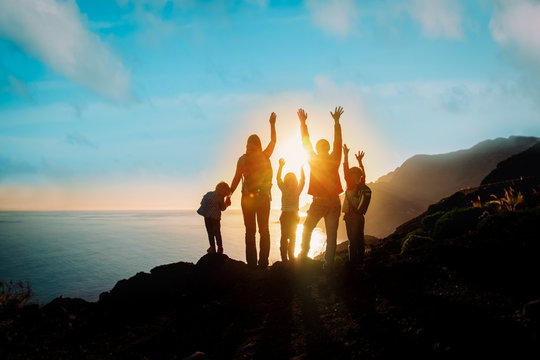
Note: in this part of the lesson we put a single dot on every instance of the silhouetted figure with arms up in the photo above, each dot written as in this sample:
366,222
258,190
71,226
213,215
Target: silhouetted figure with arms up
355,205
324,186
289,219
212,204
255,171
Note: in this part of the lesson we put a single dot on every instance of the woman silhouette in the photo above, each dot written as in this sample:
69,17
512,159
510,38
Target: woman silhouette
255,171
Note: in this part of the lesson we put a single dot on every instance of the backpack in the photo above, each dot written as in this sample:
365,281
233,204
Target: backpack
257,173
359,202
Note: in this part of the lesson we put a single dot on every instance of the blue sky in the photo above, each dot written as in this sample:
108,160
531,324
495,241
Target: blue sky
146,104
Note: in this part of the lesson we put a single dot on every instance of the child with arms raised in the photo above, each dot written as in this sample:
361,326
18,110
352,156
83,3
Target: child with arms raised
212,204
289,219
355,204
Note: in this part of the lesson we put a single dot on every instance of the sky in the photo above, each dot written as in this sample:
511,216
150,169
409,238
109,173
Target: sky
147,104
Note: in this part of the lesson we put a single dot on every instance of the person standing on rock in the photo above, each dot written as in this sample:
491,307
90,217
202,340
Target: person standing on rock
324,186
255,171
355,205
289,219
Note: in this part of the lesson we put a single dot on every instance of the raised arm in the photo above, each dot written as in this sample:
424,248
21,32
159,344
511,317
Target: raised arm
272,144
345,160
336,151
278,177
302,181
306,142
359,157
237,175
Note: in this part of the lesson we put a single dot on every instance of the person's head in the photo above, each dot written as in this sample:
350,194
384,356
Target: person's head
356,174
290,181
322,147
253,143
223,189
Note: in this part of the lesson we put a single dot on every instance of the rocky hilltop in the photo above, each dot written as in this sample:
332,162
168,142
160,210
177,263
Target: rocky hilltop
457,281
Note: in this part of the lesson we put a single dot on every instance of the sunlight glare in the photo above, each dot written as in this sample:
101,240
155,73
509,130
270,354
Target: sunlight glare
317,244
294,154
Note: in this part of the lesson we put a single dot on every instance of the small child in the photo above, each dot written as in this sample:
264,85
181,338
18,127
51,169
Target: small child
355,204
212,204
289,219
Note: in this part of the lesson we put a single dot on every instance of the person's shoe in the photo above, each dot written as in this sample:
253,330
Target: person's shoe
220,250
211,250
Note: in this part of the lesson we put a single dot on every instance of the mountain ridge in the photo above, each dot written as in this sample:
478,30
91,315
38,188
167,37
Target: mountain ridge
423,179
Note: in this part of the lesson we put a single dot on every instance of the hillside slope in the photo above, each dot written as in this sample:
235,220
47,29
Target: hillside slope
423,179
524,164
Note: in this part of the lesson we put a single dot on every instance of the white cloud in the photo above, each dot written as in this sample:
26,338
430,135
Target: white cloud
439,18
517,22
334,16
515,26
54,32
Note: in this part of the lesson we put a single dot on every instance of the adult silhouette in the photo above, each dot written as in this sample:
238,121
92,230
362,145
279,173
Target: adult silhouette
324,186
255,171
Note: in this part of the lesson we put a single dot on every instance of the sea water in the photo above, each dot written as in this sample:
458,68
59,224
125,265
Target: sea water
83,253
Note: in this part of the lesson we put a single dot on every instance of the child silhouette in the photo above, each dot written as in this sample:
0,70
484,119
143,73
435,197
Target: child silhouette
289,219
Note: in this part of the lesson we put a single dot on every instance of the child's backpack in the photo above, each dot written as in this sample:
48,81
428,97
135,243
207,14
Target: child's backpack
360,199
205,203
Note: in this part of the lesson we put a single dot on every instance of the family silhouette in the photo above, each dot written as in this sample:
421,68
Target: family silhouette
254,170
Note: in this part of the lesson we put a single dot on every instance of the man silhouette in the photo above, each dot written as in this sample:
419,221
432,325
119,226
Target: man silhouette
324,186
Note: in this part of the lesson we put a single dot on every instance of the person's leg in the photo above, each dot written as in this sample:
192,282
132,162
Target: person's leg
331,221
263,215
292,235
352,235
210,232
217,232
283,241
315,213
361,240
248,211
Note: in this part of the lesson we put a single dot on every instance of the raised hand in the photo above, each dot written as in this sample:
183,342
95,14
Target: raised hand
273,117
337,114
359,156
302,115
345,150
281,162
228,200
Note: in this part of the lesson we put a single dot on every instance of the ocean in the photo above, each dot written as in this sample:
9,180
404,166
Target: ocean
84,253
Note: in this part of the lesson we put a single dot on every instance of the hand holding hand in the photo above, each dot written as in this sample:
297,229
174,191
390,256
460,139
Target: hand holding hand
302,115
360,156
228,200
281,162
273,117
345,150
337,114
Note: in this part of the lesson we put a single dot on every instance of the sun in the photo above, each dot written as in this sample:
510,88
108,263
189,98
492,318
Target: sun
294,154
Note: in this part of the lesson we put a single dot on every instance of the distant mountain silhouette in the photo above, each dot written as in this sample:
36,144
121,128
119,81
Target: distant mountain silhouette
522,165
423,179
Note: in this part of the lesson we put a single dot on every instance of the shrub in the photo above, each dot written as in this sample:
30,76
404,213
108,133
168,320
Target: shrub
428,221
511,225
414,240
457,222
14,294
